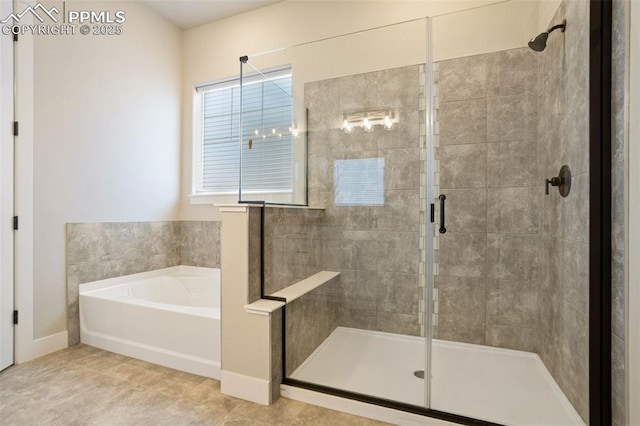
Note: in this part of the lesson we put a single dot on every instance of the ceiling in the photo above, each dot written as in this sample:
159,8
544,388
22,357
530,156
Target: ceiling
191,13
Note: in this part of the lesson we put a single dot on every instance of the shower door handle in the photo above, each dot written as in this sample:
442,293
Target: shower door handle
442,229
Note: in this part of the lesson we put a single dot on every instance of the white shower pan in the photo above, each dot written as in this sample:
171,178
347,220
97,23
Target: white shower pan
493,384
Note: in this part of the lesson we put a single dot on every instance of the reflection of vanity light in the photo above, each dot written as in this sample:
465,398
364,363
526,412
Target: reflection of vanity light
346,127
368,120
256,132
367,126
387,123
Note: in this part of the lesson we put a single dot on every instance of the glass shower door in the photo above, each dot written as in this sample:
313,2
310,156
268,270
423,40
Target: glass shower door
510,318
363,332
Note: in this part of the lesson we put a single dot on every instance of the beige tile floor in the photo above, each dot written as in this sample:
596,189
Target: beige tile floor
82,385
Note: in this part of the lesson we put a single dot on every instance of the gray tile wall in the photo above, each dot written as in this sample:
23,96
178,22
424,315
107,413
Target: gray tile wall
513,266
619,93
564,246
293,246
487,284
255,246
310,320
200,243
98,251
375,248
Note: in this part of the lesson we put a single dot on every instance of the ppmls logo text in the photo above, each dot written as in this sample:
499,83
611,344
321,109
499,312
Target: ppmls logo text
40,20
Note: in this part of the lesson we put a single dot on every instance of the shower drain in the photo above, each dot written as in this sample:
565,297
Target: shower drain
419,374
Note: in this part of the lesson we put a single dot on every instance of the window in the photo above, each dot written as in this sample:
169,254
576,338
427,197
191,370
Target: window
267,152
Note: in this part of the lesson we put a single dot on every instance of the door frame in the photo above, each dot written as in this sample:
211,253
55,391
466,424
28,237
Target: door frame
27,347
600,205
7,158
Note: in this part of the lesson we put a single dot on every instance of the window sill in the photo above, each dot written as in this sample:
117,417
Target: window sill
275,198
211,199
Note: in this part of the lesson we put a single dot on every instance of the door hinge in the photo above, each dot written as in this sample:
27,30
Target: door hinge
16,128
15,317
15,223
15,37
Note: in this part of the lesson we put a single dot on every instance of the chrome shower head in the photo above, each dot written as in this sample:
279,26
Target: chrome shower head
539,42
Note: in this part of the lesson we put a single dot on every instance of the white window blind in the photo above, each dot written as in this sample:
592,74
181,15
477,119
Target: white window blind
267,155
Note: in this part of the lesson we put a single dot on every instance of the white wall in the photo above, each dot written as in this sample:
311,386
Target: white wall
106,138
211,51
497,27
546,10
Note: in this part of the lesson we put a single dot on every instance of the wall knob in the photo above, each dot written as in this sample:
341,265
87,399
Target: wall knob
562,181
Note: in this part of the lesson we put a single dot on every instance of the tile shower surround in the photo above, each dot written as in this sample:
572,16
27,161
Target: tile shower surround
376,249
563,131
486,156
619,112
517,276
98,251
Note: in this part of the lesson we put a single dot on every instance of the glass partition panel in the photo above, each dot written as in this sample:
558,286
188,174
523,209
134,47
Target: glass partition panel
362,332
273,138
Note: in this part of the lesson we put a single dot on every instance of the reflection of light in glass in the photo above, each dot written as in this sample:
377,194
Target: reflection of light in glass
273,131
279,135
367,126
256,132
347,127
264,136
369,120
387,123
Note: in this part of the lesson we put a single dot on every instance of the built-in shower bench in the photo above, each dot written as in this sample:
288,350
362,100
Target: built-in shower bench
251,334
291,293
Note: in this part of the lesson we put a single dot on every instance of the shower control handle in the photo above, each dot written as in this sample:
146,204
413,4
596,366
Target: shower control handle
562,181
554,181
442,229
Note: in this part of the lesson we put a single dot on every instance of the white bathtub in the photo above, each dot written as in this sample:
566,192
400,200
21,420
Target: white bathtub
169,317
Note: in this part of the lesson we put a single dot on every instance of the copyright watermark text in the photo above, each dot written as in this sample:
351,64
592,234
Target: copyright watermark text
41,20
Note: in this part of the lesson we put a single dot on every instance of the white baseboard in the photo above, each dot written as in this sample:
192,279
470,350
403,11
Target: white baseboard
245,387
44,346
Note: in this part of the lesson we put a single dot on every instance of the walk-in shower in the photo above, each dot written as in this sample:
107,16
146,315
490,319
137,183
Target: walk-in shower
478,308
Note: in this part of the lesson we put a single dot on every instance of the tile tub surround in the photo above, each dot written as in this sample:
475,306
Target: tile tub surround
200,243
487,159
97,251
85,385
